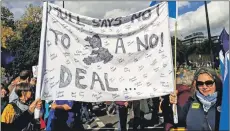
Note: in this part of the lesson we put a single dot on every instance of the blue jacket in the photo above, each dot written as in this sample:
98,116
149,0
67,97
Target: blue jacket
196,118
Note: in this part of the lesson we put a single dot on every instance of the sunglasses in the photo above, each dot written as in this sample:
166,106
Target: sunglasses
208,83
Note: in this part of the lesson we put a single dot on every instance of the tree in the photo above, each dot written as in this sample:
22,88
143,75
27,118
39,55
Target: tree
33,14
7,17
7,33
25,47
7,21
3,73
180,50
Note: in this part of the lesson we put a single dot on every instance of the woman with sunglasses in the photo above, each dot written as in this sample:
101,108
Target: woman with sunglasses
202,111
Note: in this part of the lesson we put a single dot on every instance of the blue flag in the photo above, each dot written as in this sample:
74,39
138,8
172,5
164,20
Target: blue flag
224,116
153,3
172,7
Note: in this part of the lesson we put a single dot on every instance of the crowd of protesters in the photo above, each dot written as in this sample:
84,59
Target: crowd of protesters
198,98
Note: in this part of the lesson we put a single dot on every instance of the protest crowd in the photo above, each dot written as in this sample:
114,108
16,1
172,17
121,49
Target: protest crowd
197,95
193,89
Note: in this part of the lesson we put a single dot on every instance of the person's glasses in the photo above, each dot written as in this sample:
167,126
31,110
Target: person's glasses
208,83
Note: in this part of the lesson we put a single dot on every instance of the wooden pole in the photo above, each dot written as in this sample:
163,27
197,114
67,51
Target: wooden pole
175,115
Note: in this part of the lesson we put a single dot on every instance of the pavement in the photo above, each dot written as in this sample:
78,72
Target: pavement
104,122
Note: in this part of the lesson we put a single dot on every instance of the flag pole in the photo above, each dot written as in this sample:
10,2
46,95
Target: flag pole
63,4
41,53
175,115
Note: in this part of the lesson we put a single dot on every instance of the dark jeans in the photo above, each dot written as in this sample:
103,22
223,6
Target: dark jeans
155,110
138,115
122,113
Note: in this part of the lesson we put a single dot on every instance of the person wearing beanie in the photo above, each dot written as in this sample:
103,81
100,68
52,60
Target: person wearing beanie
202,110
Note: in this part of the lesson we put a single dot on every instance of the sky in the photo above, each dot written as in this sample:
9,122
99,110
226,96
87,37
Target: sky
191,13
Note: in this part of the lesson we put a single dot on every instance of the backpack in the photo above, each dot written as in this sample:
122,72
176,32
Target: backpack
34,125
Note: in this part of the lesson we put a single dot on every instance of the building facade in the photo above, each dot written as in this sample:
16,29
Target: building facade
195,38
198,38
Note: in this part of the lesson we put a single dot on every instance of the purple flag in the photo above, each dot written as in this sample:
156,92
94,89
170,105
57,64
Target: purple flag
6,57
224,39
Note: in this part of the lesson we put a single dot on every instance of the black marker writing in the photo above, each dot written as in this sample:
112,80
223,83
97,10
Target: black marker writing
53,56
81,94
74,94
67,62
162,75
160,51
148,55
121,79
54,84
130,43
111,80
126,69
98,67
47,95
163,56
66,54
133,79
139,93
156,69
120,60
115,96
52,78
164,65
138,84
60,94
113,69
140,68
154,62
148,84
76,60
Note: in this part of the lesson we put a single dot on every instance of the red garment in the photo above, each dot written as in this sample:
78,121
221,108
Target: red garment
43,124
121,103
183,94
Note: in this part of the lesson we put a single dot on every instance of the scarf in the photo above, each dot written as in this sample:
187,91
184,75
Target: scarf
207,101
23,106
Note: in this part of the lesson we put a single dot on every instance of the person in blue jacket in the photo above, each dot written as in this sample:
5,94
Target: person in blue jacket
202,111
64,116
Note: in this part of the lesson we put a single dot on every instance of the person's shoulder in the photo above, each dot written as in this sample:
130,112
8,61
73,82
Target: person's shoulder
9,108
191,99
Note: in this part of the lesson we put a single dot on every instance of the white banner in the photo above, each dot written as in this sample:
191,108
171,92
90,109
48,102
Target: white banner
116,59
